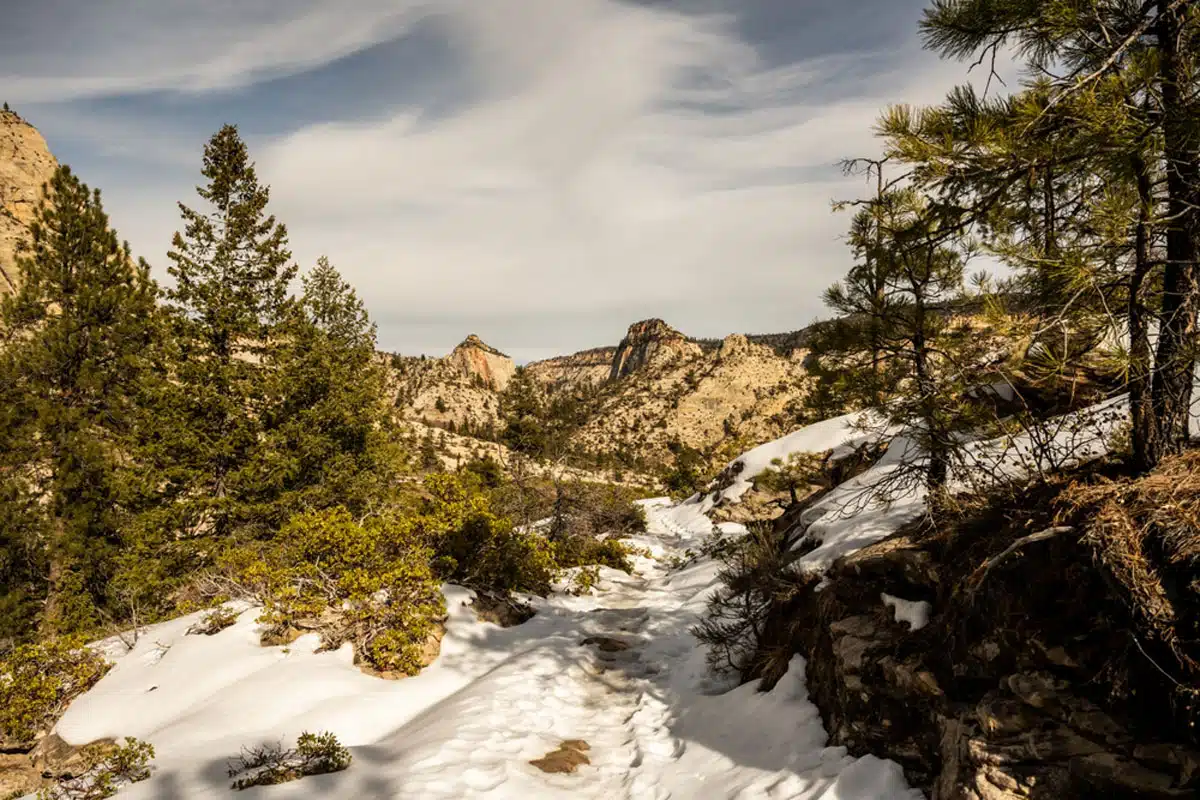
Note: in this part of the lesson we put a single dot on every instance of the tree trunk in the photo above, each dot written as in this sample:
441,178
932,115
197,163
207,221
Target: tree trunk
1175,362
1141,411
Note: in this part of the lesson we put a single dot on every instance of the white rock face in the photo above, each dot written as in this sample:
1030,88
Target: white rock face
26,165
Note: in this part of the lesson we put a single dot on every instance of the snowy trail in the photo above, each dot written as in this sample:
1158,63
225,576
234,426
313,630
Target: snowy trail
469,725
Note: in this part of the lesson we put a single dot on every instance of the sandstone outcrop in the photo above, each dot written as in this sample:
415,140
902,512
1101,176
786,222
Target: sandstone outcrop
1032,680
480,362
585,368
650,342
26,165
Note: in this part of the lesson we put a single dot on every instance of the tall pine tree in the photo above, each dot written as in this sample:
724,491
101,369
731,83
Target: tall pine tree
232,268
327,427
73,378
1154,49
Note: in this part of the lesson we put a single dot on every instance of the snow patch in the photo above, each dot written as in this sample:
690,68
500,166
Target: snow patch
914,612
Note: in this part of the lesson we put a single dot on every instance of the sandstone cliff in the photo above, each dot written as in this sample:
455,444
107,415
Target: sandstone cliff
482,363
585,368
650,342
656,387
26,165
461,390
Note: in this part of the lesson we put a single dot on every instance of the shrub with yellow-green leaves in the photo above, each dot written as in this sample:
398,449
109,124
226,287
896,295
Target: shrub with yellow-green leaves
38,681
105,774
369,583
476,547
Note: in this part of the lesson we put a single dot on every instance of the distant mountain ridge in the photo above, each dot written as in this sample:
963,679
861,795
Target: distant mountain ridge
656,387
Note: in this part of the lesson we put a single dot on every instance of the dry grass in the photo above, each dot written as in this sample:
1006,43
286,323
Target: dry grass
1146,535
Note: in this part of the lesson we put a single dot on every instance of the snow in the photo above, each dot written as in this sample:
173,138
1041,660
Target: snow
659,725
840,434
914,612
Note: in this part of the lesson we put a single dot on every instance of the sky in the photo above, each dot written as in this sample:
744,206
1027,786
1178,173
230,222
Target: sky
541,173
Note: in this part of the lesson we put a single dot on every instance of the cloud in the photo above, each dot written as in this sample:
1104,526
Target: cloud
599,162
620,158
54,50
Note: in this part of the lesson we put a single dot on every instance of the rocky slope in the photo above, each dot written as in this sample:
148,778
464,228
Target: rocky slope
655,387
461,390
26,165
583,369
648,344
1032,649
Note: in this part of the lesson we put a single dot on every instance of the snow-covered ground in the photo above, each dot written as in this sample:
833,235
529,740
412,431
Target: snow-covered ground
494,699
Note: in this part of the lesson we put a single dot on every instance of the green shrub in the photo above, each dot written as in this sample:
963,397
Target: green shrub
127,763
369,583
582,551
269,765
755,578
477,548
214,622
800,471
38,681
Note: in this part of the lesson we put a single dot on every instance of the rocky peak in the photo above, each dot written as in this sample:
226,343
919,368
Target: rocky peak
733,346
26,165
480,361
650,341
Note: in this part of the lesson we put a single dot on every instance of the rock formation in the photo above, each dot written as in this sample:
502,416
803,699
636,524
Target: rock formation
585,368
480,362
656,387
648,342
26,165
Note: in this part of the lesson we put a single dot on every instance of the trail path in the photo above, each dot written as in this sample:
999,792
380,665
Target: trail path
637,692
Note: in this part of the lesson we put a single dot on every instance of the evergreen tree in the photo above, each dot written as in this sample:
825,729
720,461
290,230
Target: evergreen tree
326,423
1152,50
898,339
522,412
232,268
74,373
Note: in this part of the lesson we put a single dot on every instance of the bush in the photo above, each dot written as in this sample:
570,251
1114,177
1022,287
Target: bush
38,682
214,622
688,475
477,548
128,763
370,584
756,578
269,765
583,551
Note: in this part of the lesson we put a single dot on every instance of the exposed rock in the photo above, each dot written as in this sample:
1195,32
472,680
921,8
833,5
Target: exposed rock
586,368
55,758
1118,777
1012,692
606,644
566,758
733,347
649,342
18,776
26,165
480,362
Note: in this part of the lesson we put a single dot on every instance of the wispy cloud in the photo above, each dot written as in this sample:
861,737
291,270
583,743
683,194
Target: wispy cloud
605,160
68,49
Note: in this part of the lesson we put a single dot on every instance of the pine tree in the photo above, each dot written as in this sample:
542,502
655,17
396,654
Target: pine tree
232,268
326,425
897,347
74,374
1153,48
522,411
